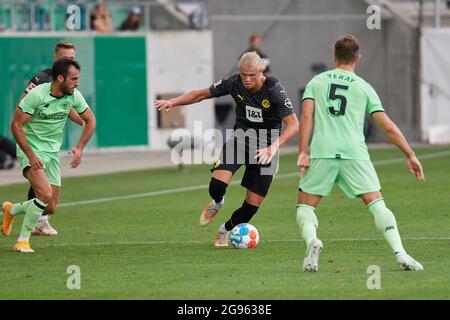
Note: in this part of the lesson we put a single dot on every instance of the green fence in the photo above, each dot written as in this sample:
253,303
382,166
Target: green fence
113,81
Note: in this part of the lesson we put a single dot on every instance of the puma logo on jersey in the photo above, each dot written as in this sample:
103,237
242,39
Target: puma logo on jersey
240,97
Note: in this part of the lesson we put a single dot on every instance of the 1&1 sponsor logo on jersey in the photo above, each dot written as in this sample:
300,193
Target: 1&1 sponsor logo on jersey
253,114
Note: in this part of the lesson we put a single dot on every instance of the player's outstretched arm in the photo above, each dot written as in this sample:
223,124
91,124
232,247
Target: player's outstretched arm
397,138
289,130
88,131
185,99
265,155
18,121
306,127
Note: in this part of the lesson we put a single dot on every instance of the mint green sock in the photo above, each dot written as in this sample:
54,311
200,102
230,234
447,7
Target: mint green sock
30,220
20,207
386,224
307,221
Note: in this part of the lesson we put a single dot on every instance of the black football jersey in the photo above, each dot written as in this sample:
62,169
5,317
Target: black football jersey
43,77
264,109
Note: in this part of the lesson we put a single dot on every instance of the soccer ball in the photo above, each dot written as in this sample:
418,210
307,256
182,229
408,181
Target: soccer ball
244,236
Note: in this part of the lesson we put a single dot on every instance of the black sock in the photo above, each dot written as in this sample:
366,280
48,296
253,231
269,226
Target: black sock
242,215
31,194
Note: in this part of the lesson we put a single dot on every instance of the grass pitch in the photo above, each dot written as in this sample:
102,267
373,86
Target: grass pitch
149,245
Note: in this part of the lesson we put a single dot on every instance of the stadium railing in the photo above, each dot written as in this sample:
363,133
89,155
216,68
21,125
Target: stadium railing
51,15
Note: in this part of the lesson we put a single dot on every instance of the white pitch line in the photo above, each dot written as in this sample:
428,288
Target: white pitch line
208,241
235,182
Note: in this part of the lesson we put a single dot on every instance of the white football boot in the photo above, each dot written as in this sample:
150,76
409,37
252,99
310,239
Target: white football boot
43,228
407,263
311,261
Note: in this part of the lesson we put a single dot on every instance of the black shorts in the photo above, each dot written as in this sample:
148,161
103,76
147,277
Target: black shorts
257,177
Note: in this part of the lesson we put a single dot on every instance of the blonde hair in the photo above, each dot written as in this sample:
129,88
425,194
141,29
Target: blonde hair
252,60
64,45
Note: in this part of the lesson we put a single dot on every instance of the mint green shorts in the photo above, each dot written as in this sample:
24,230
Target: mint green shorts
51,163
354,177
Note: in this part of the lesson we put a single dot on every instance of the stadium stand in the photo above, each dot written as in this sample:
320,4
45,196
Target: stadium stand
51,15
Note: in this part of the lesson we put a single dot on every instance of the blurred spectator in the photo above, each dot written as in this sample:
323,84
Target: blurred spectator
7,153
133,21
255,42
100,19
316,68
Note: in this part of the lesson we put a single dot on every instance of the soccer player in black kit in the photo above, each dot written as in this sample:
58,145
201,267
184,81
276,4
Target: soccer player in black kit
262,105
63,50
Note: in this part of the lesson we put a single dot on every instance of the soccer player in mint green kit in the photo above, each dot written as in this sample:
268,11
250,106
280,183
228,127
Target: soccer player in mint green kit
38,126
333,110
63,50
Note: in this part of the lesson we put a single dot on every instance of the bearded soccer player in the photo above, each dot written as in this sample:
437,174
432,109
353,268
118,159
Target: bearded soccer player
38,126
262,105
63,50
333,110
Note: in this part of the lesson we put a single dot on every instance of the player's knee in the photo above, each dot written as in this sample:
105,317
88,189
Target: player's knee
217,189
44,196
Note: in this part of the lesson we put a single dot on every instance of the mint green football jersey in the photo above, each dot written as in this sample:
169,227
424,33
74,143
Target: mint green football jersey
45,130
341,100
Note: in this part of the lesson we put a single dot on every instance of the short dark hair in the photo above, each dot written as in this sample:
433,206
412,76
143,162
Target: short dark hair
61,67
64,45
346,48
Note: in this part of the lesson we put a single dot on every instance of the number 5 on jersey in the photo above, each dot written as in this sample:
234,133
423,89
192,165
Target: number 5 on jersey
334,96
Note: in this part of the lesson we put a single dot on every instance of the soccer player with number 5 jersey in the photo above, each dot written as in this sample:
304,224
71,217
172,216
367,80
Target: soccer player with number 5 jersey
333,110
